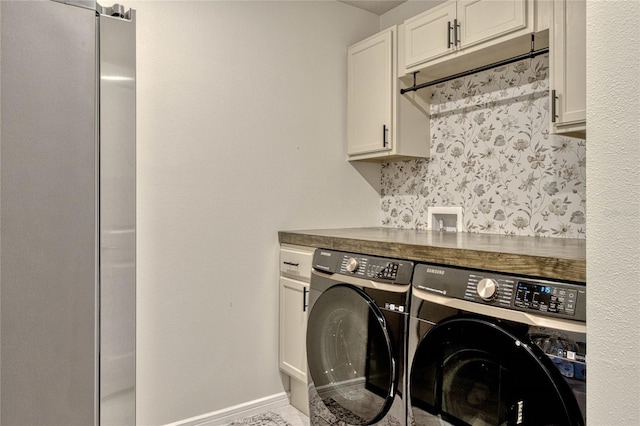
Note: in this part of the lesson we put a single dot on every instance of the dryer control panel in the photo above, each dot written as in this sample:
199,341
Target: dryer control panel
558,299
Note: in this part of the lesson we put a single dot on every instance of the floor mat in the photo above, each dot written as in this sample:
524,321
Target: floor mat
265,419
342,413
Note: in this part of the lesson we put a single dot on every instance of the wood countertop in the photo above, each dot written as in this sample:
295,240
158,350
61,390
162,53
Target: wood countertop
556,258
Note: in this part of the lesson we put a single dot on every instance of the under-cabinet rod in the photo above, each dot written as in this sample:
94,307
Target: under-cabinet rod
531,54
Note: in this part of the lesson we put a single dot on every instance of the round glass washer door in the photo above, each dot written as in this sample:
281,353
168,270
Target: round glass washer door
350,357
471,371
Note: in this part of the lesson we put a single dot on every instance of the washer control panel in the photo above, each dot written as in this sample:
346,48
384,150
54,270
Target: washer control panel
545,297
560,299
363,266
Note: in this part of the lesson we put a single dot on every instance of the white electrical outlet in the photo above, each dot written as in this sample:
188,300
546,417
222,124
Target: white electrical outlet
444,218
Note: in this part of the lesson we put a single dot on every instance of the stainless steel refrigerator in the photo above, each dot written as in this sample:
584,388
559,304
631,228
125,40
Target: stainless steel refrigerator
67,213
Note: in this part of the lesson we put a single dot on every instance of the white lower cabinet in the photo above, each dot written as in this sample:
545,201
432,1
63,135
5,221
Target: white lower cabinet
293,326
295,271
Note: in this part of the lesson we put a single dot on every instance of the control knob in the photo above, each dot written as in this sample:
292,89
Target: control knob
352,265
487,289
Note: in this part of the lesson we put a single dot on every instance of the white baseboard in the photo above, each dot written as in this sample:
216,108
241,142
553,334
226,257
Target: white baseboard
228,415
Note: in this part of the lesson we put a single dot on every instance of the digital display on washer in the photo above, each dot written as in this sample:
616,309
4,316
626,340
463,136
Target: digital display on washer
545,298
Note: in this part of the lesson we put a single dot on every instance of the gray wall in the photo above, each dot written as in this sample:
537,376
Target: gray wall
406,10
613,212
241,133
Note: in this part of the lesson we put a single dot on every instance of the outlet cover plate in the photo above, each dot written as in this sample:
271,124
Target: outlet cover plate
451,217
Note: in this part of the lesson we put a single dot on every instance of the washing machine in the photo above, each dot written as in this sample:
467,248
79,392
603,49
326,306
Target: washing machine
356,339
494,349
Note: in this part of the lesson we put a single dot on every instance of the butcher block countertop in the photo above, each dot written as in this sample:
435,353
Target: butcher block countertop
556,258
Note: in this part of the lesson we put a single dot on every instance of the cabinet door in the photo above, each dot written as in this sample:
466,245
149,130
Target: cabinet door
428,35
370,91
568,66
293,327
482,20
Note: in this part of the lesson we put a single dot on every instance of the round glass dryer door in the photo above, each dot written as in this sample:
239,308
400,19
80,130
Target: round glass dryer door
349,352
470,371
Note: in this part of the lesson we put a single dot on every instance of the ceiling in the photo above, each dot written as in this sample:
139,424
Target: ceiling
375,6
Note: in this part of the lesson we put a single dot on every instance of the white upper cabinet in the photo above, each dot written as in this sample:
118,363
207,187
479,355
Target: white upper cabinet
429,35
456,28
382,124
370,92
481,20
567,66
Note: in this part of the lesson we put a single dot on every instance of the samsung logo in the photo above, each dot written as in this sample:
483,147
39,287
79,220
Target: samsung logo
325,253
435,271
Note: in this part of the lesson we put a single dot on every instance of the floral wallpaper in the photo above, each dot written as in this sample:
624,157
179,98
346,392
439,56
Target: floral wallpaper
492,154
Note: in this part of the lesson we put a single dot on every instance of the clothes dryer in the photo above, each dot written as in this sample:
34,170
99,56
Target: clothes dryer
356,339
492,349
